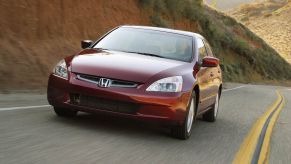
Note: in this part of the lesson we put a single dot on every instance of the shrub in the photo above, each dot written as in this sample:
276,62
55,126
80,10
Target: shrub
156,20
159,6
146,3
229,21
240,46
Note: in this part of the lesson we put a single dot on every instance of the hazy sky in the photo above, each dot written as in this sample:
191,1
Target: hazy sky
227,4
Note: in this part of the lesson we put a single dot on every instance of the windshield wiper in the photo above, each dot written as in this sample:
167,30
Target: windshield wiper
144,53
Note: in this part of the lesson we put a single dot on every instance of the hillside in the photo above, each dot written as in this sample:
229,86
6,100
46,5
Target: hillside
270,20
35,35
225,5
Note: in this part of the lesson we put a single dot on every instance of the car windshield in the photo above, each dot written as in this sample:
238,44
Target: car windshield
148,42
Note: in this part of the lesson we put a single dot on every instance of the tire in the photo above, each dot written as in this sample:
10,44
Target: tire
211,115
184,131
62,112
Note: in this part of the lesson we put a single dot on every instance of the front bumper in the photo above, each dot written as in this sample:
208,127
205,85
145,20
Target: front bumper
166,107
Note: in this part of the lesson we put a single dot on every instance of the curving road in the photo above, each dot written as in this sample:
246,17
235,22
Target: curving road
36,135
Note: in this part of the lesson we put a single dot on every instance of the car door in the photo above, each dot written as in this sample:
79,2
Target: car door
204,79
215,75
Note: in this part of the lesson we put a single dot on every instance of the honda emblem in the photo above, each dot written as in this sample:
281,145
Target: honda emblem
104,83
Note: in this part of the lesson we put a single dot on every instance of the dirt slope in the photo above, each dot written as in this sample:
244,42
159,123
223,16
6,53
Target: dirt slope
36,34
270,20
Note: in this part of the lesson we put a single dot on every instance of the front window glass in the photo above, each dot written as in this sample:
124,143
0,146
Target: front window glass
149,42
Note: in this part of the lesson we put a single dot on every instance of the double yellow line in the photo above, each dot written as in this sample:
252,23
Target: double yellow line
256,146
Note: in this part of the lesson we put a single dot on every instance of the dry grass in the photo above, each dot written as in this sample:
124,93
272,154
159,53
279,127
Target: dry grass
273,23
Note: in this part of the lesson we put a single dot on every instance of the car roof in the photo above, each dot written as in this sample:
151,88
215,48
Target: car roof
165,30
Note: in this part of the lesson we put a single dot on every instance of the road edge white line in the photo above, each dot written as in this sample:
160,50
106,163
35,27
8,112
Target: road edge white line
24,107
226,90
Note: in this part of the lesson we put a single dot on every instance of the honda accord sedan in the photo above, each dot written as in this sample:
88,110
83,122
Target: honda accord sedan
140,72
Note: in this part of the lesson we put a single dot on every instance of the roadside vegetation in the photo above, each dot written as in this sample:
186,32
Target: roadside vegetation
244,56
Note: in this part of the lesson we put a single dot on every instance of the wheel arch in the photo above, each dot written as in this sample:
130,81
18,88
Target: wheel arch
220,90
197,93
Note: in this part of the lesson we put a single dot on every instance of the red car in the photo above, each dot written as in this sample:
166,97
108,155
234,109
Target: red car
141,72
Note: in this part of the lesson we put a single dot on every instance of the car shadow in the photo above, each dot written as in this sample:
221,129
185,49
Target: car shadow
119,126
114,125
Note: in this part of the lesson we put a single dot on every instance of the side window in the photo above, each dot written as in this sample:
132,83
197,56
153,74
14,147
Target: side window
208,48
201,49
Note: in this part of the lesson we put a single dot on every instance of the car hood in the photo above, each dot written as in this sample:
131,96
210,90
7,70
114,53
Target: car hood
120,65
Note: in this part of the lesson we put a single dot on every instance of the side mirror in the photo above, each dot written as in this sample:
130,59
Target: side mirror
210,62
86,43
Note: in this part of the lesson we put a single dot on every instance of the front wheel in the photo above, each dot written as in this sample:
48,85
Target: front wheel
62,112
184,131
211,115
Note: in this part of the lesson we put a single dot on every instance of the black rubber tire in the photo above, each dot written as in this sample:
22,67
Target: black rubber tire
180,131
62,112
209,116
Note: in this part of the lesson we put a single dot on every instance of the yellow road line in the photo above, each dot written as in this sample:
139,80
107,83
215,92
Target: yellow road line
248,147
265,151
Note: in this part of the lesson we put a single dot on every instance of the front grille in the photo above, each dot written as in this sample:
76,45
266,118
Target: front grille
103,104
113,82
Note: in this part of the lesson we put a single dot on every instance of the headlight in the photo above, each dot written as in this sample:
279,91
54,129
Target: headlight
61,69
169,84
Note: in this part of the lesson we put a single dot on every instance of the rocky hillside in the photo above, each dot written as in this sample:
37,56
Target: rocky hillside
270,20
36,34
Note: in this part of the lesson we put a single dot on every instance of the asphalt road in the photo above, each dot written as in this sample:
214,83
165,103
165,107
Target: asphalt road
37,135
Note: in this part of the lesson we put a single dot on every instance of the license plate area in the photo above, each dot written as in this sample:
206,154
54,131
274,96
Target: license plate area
103,104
